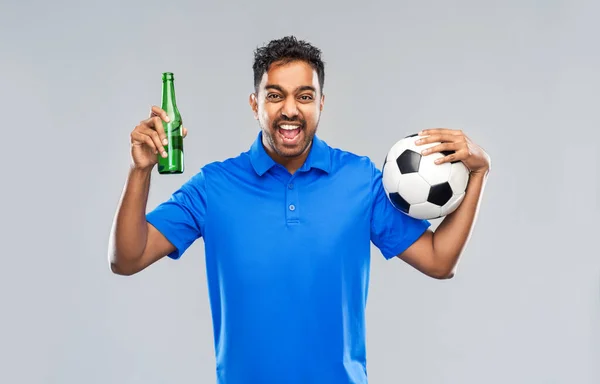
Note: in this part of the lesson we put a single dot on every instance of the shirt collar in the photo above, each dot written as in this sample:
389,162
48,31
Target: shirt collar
318,157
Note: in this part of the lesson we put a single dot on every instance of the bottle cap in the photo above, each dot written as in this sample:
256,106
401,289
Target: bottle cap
167,76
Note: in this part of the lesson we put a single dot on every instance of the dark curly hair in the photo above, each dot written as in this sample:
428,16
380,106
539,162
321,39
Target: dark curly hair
285,50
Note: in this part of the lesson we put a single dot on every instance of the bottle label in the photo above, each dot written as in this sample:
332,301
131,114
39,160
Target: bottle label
175,143
174,135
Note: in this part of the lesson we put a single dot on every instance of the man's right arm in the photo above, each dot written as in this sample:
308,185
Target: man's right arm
134,243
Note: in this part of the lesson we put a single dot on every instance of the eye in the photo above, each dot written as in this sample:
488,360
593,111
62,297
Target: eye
306,97
272,96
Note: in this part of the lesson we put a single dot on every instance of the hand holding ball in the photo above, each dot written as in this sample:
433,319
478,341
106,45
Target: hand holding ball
419,187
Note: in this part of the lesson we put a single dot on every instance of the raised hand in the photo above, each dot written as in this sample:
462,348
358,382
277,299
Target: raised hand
148,139
462,148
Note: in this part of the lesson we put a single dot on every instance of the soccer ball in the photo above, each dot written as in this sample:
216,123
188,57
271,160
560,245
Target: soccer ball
417,186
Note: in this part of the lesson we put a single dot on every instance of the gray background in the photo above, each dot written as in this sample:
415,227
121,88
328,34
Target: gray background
520,77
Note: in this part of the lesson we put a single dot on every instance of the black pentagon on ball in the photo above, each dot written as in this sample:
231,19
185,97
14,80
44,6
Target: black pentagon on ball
440,194
398,202
408,161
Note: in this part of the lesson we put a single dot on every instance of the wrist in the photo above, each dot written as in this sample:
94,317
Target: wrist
481,173
140,172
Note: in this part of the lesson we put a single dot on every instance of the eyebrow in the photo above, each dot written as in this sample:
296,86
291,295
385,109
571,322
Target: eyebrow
299,89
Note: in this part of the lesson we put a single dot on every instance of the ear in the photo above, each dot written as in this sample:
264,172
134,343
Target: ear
253,105
322,102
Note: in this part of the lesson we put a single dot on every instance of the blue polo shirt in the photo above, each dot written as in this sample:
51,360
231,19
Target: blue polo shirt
287,260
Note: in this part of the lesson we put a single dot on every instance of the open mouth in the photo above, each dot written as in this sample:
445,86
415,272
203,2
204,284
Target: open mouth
290,132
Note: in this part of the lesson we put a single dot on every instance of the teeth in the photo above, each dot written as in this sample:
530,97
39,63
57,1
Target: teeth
289,127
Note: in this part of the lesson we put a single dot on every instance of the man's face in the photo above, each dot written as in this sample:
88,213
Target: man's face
288,107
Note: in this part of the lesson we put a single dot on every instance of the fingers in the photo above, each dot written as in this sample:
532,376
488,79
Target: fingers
140,139
442,148
441,131
156,111
439,137
451,143
453,157
160,113
157,116
145,134
157,124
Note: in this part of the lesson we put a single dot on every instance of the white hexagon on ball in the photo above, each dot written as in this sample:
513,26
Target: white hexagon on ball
413,188
390,178
459,177
417,186
425,210
434,173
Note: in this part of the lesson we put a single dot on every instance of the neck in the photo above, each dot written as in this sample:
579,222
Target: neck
168,95
292,164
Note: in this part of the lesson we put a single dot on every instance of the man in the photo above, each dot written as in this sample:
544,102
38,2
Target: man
287,228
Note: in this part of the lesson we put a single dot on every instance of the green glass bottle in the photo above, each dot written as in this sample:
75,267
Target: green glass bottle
173,163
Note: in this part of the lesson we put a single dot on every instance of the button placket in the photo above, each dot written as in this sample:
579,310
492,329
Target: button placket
291,202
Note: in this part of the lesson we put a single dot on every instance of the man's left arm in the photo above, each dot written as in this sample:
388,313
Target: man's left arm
437,253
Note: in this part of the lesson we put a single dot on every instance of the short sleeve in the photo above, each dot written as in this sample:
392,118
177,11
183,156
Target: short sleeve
181,218
392,231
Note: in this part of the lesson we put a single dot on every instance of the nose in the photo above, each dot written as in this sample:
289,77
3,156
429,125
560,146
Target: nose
289,108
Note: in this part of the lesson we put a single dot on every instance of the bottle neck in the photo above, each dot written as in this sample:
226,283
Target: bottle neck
168,96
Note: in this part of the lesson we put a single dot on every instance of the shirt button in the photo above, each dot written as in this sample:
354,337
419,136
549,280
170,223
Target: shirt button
291,186
292,207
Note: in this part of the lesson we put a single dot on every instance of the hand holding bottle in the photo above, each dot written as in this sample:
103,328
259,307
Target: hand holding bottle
148,140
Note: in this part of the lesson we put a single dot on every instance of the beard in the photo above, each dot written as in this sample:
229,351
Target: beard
284,148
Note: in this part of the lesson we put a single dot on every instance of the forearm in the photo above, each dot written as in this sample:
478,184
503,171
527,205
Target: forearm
452,235
130,230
